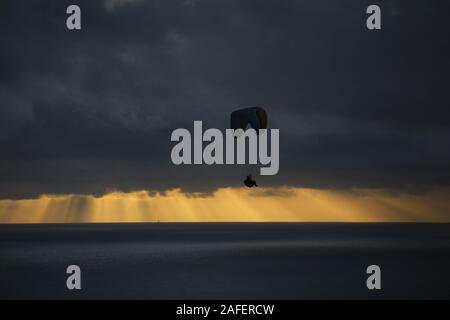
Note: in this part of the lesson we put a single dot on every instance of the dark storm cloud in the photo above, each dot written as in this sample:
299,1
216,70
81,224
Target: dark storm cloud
92,110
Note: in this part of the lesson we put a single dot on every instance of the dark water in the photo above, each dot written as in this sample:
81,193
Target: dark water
225,261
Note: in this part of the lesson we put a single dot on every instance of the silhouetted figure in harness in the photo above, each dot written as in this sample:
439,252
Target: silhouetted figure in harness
249,182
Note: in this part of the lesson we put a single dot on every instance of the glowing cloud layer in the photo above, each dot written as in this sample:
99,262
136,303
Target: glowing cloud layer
234,204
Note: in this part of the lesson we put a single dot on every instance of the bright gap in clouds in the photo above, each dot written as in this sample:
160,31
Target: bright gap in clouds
235,205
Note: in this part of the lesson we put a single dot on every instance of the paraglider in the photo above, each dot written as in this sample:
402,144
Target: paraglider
254,117
249,182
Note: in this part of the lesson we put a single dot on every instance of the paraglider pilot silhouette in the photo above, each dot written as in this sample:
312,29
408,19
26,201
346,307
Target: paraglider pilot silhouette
254,117
249,182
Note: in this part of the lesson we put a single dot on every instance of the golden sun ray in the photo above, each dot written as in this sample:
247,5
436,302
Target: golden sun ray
282,204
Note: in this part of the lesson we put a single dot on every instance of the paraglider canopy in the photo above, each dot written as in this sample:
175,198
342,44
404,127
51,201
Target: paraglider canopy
255,117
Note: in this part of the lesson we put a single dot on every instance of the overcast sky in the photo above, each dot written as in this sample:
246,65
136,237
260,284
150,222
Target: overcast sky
92,111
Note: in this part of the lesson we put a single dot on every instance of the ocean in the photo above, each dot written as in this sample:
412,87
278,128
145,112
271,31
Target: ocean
225,260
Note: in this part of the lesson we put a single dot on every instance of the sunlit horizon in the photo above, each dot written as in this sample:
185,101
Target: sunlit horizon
281,204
